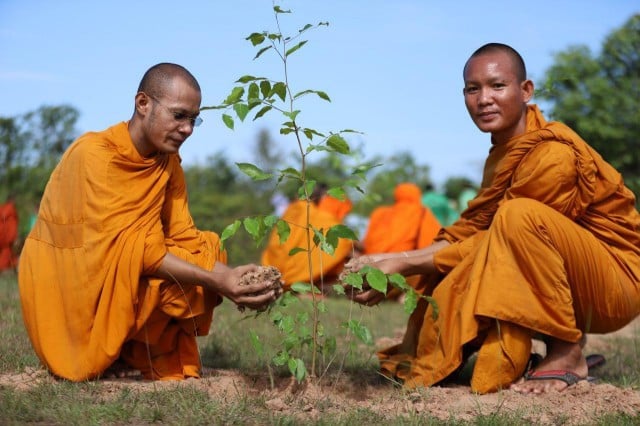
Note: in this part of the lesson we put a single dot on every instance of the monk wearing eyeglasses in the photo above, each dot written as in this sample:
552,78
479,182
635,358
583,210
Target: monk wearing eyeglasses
114,272
549,249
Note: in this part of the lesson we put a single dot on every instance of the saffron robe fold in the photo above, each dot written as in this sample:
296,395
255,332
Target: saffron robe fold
550,245
107,218
322,266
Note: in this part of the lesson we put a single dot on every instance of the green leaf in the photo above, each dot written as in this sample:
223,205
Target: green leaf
303,317
300,287
410,301
305,28
363,168
254,92
262,112
288,325
307,188
434,306
228,120
323,95
354,279
330,242
296,250
241,110
304,92
342,231
338,289
309,133
205,108
246,79
299,370
257,344
338,144
337,192
277,9
296,47
265,88
255,38
399,281
281,358
230,230
279,89
253,171
360,331
330,346
252,226
377,280
261,51
292,115
283,230
291,172
235,95
270,220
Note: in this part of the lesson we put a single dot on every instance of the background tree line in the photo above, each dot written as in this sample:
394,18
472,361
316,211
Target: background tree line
597,95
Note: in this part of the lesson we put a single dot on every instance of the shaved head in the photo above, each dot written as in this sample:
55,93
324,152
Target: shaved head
516,59
159,76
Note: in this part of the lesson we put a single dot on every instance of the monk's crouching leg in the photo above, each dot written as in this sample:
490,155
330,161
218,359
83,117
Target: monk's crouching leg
165,347
502,358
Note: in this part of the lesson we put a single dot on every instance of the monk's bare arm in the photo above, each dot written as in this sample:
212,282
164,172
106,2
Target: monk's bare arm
414,262
222,280
406,263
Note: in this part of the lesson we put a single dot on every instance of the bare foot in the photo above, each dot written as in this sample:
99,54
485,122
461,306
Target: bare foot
561,357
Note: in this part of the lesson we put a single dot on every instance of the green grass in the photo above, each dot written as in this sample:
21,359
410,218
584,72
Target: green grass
229,347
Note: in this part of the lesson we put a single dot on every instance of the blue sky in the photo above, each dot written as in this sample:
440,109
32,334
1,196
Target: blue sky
391,68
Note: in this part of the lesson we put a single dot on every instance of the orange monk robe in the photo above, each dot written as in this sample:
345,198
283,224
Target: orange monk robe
8,234
107,219
550,245
324,266
405,225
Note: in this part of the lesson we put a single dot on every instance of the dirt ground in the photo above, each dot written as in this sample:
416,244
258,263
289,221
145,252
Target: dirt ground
579,404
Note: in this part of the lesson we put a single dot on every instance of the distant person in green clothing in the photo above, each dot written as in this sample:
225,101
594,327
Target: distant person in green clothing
439,204
468,193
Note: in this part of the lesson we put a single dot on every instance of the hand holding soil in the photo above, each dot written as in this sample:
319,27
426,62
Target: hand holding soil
268,275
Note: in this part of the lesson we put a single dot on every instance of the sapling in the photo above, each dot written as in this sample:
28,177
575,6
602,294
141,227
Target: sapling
258,96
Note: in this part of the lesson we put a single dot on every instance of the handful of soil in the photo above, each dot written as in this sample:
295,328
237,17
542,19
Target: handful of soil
268,274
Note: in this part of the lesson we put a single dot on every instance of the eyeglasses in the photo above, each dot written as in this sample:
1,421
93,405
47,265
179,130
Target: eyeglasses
180,117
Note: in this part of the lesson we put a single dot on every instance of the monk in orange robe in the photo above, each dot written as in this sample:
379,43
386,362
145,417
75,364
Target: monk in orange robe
114,271
324,267
549,248
8,233
405,225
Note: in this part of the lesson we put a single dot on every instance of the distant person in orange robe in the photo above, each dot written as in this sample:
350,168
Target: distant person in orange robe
549,247
8,233
405,225
325,211
114,276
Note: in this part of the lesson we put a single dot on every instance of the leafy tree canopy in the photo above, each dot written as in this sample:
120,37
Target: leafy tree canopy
599,97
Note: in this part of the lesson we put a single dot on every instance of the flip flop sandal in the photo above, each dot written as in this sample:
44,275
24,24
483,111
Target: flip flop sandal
569,377
595,361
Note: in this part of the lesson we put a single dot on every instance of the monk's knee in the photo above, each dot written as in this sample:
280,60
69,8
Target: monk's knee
519,214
